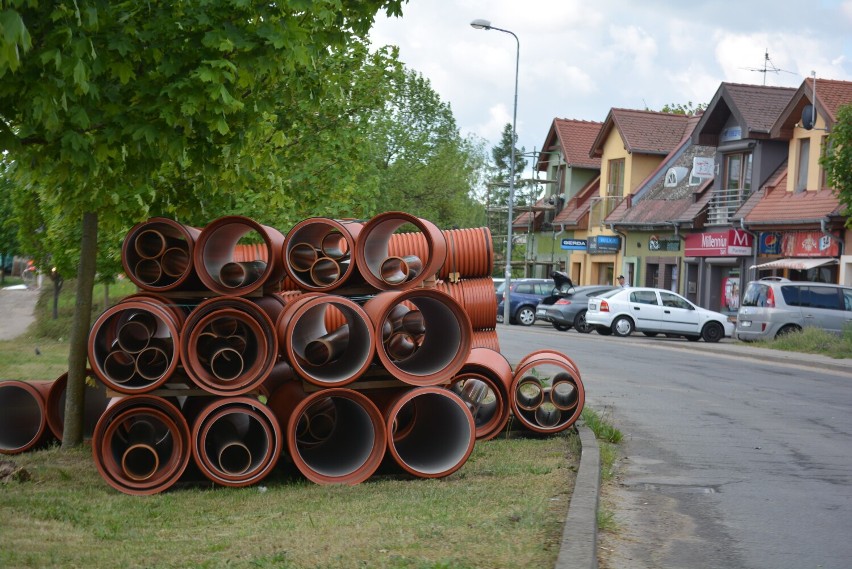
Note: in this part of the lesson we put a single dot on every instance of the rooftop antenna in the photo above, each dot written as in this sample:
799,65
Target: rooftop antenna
768,67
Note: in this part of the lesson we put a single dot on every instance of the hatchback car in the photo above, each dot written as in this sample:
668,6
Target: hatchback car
524,296
655,311
774,306
566,308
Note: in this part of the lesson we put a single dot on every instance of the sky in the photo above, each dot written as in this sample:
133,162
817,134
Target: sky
578,59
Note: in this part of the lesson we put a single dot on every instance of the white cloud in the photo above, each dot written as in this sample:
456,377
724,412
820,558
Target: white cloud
579,59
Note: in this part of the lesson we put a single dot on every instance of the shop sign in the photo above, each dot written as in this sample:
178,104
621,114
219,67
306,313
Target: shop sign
666,243
601,244
731,243
808,244
574,244
770,243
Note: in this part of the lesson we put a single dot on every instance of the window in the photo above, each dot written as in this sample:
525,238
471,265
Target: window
738,173
644,297
674,301
802,165
615,184
821,297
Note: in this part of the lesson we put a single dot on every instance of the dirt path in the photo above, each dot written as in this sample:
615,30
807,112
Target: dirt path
16,311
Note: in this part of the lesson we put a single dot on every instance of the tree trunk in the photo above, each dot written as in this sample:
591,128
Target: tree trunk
75,390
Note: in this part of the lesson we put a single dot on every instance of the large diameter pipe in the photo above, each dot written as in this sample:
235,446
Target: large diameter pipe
216,249
372,250
336,436
323,357
443,347
439,432
483,384
229,345
95,400
157,255
236,441
318,254
141,444
470,252
547,393
119,336
23,416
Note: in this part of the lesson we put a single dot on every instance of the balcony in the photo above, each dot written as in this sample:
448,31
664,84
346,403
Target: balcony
601,207
723,205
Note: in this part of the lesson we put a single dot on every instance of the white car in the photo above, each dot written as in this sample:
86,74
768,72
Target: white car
655,311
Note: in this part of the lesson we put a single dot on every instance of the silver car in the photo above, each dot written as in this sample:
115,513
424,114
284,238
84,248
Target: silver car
774,306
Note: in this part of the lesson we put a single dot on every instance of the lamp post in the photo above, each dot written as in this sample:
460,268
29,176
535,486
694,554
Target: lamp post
481,24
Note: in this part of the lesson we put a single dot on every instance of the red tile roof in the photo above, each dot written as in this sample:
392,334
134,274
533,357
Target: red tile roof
779,206
643,132
574,138
830,95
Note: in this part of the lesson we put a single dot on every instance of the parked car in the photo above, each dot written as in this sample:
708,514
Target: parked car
497,283
655,311
772,307
566,308
524,296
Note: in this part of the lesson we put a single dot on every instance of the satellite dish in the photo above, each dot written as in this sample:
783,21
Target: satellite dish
808,117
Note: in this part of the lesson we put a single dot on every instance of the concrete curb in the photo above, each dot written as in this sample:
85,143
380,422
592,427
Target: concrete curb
578,549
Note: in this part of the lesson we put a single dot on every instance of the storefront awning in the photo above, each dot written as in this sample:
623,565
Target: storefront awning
797,264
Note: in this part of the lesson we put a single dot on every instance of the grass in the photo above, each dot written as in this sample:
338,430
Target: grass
504,508
814,341
608,438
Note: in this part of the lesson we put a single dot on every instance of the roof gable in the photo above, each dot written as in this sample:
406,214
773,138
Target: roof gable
643,132
573,138
830,96
755,109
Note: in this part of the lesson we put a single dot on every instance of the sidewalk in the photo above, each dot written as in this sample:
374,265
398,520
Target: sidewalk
16,311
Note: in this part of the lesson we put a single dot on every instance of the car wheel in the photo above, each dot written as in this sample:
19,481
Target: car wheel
712,332
622,326
692,338
525,316
650,334
580,323
603,331
561,327
788,329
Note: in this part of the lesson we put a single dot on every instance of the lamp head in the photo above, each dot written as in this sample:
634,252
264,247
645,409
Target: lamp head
481,24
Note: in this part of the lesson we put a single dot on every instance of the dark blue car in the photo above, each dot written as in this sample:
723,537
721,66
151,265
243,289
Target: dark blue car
524,296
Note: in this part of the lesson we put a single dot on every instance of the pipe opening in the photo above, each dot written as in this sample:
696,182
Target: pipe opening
175,261
334,245
148,271
119,366
563,393
140,462
440,438
152,363
149,244
23,418
302,257
238,274
325,271
348,441
529,393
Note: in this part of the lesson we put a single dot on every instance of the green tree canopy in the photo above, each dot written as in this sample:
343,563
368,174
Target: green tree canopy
426,167
116,110
837,161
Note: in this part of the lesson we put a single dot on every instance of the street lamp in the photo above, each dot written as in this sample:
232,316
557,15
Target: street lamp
481,24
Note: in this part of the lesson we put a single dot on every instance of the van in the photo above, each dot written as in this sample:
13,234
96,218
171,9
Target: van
773,306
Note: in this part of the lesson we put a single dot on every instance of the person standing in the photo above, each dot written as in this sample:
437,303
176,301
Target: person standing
621,282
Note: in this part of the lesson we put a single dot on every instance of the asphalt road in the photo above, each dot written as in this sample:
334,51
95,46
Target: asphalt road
16,311
728,462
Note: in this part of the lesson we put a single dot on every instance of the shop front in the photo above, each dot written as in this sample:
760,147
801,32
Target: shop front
798,255
715,265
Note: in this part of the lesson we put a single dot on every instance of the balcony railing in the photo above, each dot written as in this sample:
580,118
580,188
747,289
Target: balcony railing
600,207
723,205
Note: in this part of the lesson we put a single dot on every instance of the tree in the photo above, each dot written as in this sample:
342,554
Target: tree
8,225
424,164
837,160
116,108
498,189
683,109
